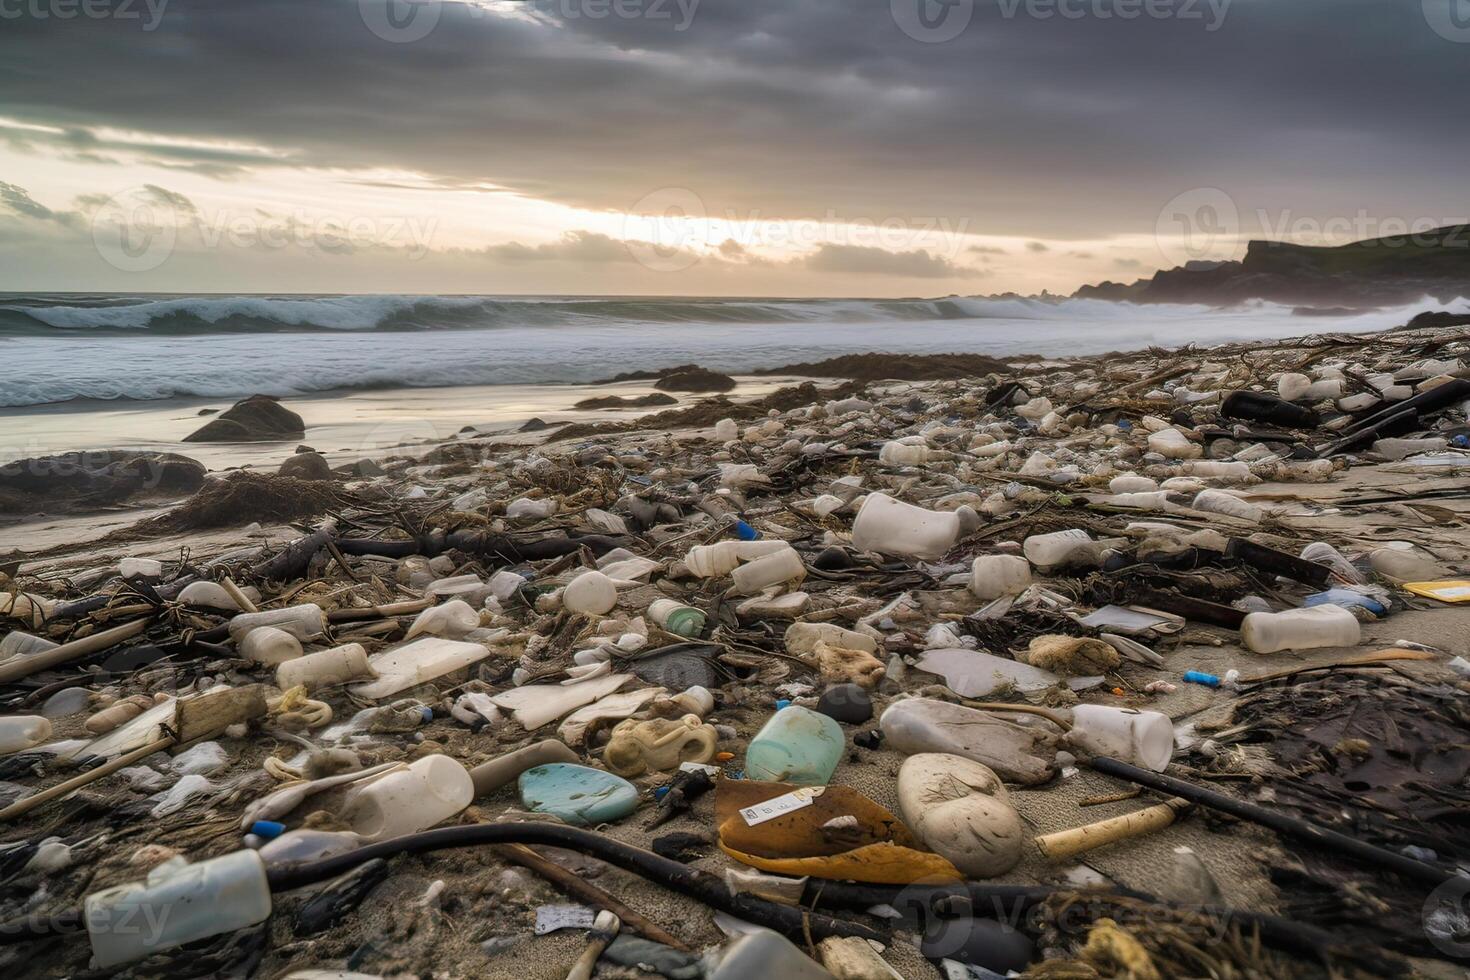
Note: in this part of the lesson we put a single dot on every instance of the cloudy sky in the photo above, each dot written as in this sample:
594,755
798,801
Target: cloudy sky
729,147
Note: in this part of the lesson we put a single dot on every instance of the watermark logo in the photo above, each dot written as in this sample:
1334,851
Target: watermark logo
148,12
135,231
664,229
401,21
1450,19
1197,224
932,21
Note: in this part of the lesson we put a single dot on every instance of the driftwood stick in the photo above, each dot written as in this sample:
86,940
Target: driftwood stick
22,807
16,668
1066,843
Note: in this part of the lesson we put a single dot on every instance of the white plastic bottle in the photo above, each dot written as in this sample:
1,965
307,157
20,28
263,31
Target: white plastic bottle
910,451
1141,738
269,646
21,732
992,576
1301,629
305,622
1048,551
451,620
591,594
1173,444
1228,504
177,903
324,668
1218,469
773,569
892,527
1132,483
408,800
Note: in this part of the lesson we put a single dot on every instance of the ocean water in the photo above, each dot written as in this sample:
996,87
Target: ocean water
66,347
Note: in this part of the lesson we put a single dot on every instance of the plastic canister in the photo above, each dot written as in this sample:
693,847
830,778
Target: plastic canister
408,800
326,667
591,594
1048,551
1227,504
796,745
1142,738
992,576
1132,483
677,618
893,527
269,645
1173,444
1301,629
177,903
905,452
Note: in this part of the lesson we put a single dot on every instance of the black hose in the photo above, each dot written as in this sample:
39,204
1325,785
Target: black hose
1281,823
699,885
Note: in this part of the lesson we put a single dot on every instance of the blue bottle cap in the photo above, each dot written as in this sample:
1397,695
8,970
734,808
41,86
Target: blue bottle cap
745,532
267,829
783,703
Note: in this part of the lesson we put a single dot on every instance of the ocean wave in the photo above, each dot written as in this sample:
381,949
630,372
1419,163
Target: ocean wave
264,314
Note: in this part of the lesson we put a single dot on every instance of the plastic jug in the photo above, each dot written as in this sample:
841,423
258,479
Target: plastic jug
992,576
177,903
411,799
1142,738
892,527
796,745
1300,629
324,668
716,560
1049,551
677,618
1227,504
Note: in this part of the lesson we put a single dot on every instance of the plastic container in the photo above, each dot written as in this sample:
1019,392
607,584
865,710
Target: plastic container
1142,738
992,576
1405,565
892,527
676,618
1216,469
211,595
1048,551
177,903
417,662
1255,406
911,451
1300,629
591,594
773,569
305,622
452,620
19,644
1132,483
1172,444
1348,599
722,558
1293,387
796,745
1324,554
21,732
269,646
308,845
348,662
406,801
801,639
1226,504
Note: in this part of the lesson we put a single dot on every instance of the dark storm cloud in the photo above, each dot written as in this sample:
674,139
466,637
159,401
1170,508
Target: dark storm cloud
869,261
770,109
18,201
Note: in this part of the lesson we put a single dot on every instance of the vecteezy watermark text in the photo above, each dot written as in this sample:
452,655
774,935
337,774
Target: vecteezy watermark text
406,21
937,21
149,12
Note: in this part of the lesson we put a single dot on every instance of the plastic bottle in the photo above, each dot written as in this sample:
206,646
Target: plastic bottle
892,527
212,595
177,903
1300,629
992,576
720,559
1173,444
1228,504
1405,565
269,646
1049,551
1216,469
773,569
1142,738
796,745
801,639
19,644
20,732
905,452
1324,554
406,801
326,667
676,618
305,844
1255,406
1293,387
305,622
452,620
1132,483
591,594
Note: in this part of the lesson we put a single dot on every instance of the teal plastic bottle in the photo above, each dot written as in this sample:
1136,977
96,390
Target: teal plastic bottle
796,745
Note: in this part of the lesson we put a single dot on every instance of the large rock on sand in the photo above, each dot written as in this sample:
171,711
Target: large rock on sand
93,479
306,466
257,418
695,379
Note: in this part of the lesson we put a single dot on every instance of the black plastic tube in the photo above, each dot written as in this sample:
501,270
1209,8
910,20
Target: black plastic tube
1280,822
700,885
